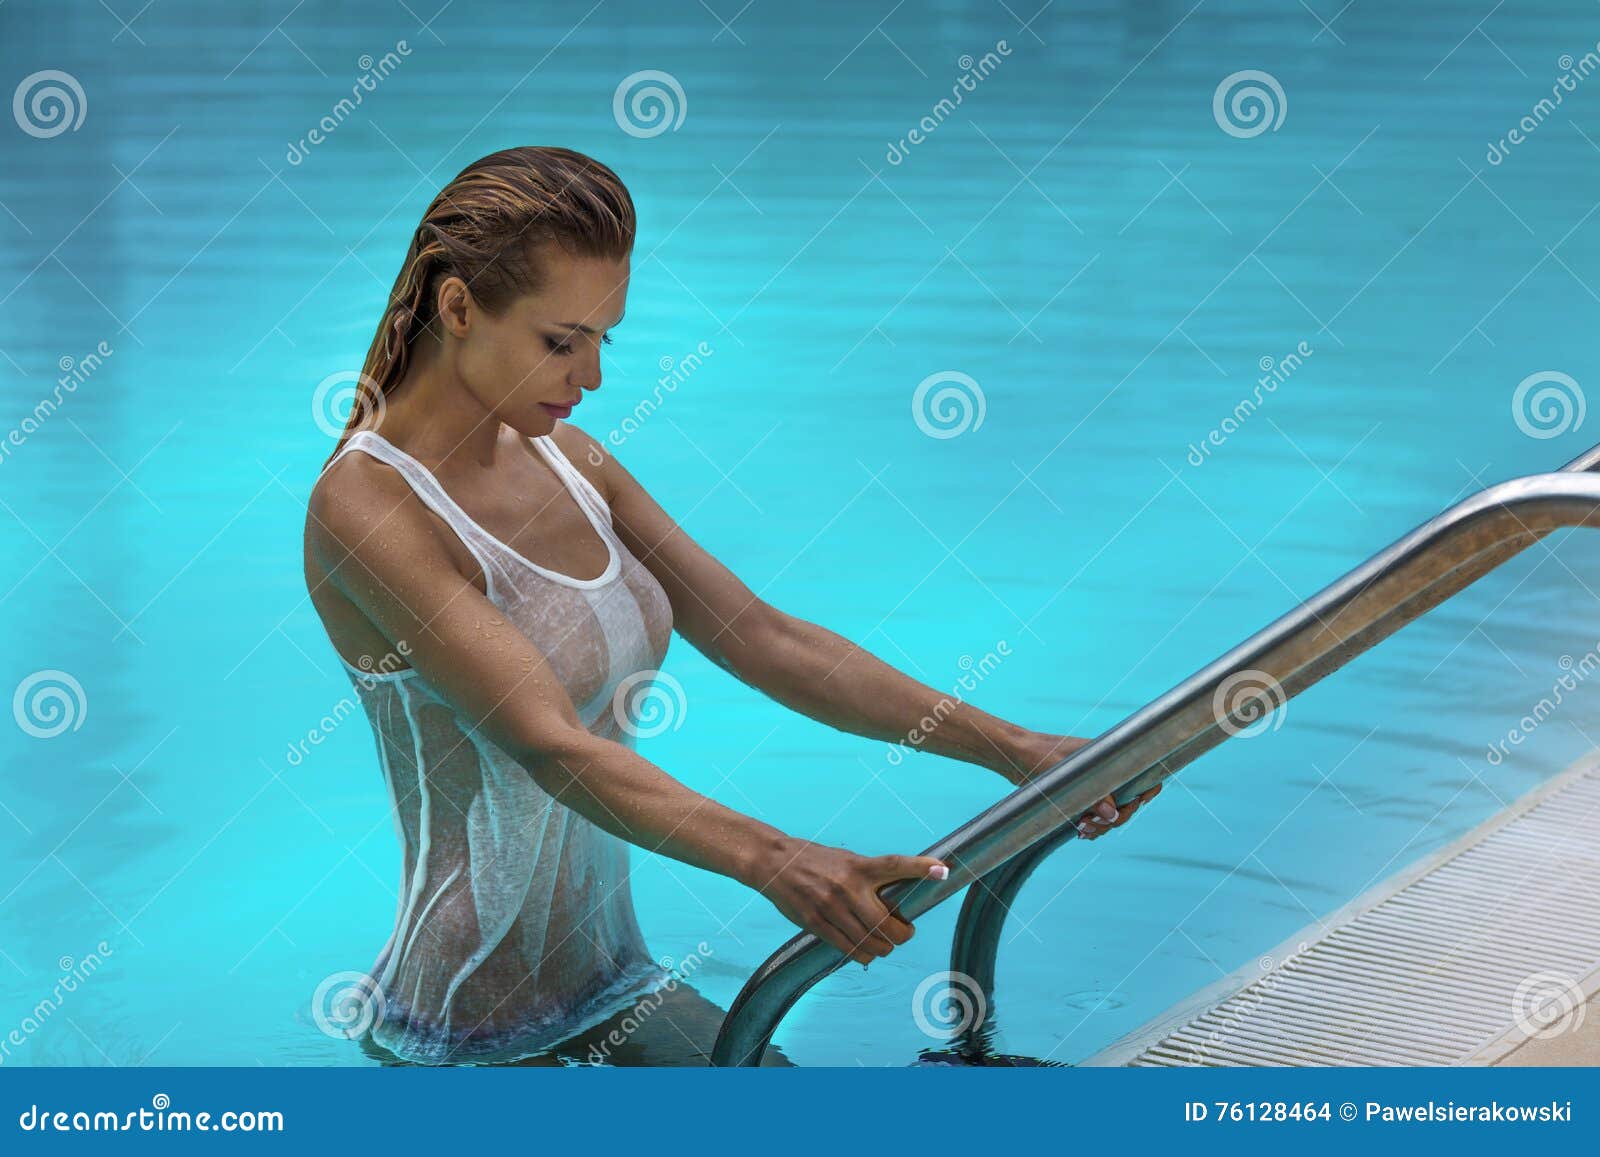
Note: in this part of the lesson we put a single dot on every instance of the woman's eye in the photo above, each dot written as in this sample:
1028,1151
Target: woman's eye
558,347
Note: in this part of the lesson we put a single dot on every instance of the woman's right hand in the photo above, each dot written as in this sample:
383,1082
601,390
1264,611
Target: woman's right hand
833,893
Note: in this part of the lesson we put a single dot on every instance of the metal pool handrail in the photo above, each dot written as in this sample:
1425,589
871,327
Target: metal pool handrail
1000,847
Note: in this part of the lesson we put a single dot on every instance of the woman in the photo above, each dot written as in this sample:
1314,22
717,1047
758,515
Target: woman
505,732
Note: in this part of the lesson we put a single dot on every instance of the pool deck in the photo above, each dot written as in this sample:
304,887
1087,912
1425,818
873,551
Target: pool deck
1578,1046
1485,953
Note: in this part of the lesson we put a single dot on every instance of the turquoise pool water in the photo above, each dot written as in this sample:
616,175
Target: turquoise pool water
1079,237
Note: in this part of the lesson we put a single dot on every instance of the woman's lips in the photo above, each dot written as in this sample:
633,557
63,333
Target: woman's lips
556,411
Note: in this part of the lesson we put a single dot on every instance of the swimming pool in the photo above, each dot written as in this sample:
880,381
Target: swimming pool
1081,240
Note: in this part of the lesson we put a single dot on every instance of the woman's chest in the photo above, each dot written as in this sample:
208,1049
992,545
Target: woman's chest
594,638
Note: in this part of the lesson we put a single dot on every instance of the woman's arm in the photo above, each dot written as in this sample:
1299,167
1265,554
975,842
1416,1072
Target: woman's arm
802,665
811,669
385,552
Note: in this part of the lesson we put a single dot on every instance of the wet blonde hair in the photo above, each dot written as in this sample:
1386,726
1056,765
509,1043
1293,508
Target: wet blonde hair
486,227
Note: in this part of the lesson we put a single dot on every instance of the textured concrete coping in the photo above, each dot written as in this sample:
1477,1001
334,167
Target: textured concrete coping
1487,952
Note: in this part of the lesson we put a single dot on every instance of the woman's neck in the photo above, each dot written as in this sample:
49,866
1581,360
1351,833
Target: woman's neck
432,416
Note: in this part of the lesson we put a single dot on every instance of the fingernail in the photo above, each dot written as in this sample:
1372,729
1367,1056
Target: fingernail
1107,810
938,872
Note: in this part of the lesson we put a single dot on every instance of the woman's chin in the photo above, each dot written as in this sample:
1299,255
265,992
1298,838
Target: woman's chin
536,424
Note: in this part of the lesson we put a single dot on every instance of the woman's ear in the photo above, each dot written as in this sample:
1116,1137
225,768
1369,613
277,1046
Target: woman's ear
455,305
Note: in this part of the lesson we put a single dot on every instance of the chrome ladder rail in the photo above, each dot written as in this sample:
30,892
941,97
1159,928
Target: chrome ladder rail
1000,848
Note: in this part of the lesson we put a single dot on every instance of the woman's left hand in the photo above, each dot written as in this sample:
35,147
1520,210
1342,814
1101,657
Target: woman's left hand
1039,752
1108,814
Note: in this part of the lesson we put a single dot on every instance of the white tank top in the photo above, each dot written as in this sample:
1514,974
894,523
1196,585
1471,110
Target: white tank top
515,926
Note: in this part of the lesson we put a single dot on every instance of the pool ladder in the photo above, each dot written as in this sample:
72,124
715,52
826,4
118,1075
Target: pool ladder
1001,847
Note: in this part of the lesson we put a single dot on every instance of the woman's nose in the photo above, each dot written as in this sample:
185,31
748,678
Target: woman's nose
587,376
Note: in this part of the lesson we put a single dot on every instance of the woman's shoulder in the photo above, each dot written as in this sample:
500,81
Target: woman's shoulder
587,455
355,497
354,481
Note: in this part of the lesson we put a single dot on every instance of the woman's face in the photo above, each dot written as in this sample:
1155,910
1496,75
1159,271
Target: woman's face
528,365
